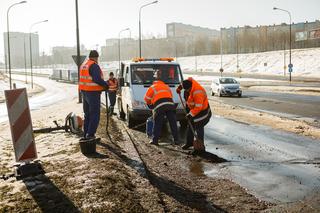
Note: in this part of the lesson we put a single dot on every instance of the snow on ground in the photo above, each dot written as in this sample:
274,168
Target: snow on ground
303,60
20,83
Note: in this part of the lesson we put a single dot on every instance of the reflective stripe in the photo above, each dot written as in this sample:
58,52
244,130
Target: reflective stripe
147,97
86,77
164,91
191,103
154,90
198,105
163,103
88,84
199,91
203,117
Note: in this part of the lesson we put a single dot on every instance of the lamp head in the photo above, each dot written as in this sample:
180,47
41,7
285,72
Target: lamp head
22,2
275,8
154,2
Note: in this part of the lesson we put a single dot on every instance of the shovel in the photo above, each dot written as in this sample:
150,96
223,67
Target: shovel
198,144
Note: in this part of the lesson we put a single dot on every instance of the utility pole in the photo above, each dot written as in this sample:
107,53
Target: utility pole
78,50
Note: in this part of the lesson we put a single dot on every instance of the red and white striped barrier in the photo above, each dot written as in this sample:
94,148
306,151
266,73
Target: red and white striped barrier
20,125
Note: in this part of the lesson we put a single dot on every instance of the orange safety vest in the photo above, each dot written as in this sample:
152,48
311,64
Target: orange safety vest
85,82
197,100
159,96
113,85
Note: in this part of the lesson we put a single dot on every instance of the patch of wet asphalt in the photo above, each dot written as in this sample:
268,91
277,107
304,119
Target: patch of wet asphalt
273,165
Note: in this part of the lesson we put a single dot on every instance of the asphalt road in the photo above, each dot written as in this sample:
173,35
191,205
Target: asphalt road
284,104
273,165
54,93
295,106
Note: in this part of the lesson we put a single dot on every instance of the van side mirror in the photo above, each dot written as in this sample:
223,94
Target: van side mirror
121,82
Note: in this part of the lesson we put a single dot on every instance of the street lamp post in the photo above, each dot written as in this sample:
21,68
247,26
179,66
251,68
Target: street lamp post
154,2
290,64
237,37
25,59
119,46
221,69
30,45
8,40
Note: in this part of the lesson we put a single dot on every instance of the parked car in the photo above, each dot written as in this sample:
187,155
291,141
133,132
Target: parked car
226,86
136,77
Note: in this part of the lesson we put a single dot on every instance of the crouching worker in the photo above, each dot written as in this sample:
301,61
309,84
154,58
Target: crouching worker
159,98
91,84
200,113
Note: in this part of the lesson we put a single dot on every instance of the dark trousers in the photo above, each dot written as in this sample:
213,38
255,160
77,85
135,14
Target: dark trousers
158,121
112,98
190,137
91,109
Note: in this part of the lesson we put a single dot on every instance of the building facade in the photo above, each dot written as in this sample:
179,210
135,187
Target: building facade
20,49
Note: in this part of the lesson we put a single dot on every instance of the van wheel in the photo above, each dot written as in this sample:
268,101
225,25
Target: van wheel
129,119
212,93
122,115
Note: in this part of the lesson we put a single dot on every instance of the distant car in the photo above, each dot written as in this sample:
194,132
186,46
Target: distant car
225,86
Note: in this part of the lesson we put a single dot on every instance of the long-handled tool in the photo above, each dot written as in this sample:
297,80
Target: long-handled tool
198,144
107,111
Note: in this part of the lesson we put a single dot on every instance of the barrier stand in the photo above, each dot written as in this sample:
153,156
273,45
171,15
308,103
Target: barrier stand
22,133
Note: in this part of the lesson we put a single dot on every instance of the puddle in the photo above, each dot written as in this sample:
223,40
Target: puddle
273,165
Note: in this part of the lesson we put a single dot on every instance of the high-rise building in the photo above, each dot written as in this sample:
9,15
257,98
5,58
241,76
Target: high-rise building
20,49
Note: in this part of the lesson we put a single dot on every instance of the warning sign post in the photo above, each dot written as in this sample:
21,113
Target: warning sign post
20,125
22,131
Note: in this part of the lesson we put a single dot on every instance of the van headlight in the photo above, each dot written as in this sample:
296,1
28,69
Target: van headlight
138,104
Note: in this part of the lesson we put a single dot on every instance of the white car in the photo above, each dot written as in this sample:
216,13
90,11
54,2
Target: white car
226,86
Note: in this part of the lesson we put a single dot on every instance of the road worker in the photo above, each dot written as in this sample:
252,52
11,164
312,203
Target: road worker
91,84
159,98
112,91
199,109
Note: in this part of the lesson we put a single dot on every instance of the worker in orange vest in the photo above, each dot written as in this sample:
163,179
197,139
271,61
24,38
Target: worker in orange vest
159,98
199,109
91,84
112,91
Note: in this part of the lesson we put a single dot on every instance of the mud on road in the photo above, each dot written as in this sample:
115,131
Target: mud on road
115,179
179,178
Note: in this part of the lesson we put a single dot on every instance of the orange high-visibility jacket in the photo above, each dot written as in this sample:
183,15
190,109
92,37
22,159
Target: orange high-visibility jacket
85,82
197,100
113,85
159,95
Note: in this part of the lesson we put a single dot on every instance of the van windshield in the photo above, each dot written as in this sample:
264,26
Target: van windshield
145,73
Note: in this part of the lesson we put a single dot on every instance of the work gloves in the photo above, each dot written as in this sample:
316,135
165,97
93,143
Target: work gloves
179,88
189,117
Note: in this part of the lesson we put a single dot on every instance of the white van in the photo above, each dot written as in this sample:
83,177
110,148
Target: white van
134,80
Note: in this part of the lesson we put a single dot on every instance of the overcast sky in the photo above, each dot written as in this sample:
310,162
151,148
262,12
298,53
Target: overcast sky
101,19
